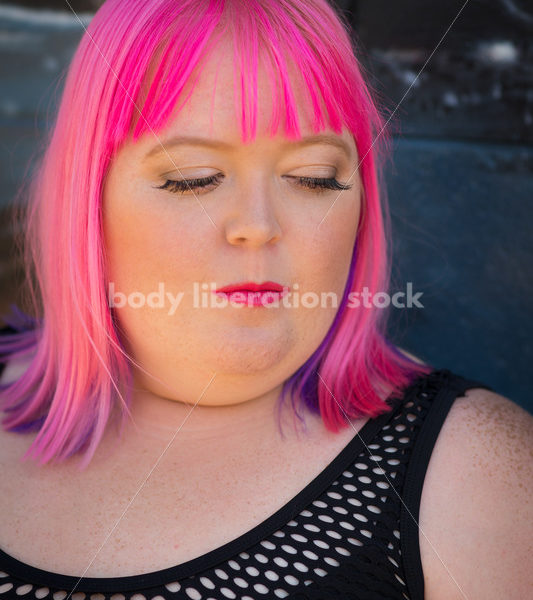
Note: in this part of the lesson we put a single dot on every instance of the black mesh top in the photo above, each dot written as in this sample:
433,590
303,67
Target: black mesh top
349,534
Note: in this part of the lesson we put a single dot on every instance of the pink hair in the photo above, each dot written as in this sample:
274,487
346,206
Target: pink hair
79,372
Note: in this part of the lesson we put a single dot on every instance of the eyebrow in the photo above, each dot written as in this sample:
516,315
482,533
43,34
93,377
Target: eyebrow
330,140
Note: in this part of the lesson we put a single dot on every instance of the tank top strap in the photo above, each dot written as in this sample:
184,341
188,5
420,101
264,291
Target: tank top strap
437,391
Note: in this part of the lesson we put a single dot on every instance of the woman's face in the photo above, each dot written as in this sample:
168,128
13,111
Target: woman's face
256,222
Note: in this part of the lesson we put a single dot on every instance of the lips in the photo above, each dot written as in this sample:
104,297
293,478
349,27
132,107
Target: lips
253,294
250,286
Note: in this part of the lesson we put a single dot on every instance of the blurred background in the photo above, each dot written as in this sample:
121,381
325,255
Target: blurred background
456,78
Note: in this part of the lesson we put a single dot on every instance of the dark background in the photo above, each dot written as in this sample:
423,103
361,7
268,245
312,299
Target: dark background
460,182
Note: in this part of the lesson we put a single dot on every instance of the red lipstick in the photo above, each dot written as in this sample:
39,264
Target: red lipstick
253,294
250,286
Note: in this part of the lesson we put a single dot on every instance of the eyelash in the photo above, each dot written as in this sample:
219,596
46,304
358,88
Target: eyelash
313,183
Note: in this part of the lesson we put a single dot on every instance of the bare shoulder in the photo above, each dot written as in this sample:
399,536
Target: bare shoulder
476,513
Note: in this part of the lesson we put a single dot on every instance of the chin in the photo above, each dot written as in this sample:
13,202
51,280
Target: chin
247,359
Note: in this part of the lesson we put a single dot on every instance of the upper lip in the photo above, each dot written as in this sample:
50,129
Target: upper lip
250,286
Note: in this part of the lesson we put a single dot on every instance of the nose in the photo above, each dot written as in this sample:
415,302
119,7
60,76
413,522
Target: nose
251,220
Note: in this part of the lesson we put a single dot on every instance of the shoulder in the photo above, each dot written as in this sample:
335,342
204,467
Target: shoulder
476,511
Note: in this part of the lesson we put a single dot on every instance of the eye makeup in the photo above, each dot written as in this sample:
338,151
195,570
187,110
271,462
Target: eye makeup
319,184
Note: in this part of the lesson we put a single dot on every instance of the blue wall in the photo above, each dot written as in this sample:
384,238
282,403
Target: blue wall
461,216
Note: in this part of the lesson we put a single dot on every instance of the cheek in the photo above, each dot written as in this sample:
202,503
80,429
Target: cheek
148,242
327,252
324,258
153,253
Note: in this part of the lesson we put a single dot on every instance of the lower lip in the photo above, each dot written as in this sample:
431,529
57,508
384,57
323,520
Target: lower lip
252,298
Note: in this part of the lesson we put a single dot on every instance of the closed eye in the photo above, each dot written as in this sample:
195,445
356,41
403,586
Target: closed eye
313,183
183,185
323,183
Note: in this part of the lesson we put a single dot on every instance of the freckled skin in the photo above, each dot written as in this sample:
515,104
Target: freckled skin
476,513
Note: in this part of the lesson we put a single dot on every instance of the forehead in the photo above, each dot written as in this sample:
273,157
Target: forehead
220,94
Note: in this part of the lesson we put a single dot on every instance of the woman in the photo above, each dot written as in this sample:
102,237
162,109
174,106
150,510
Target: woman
203,219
